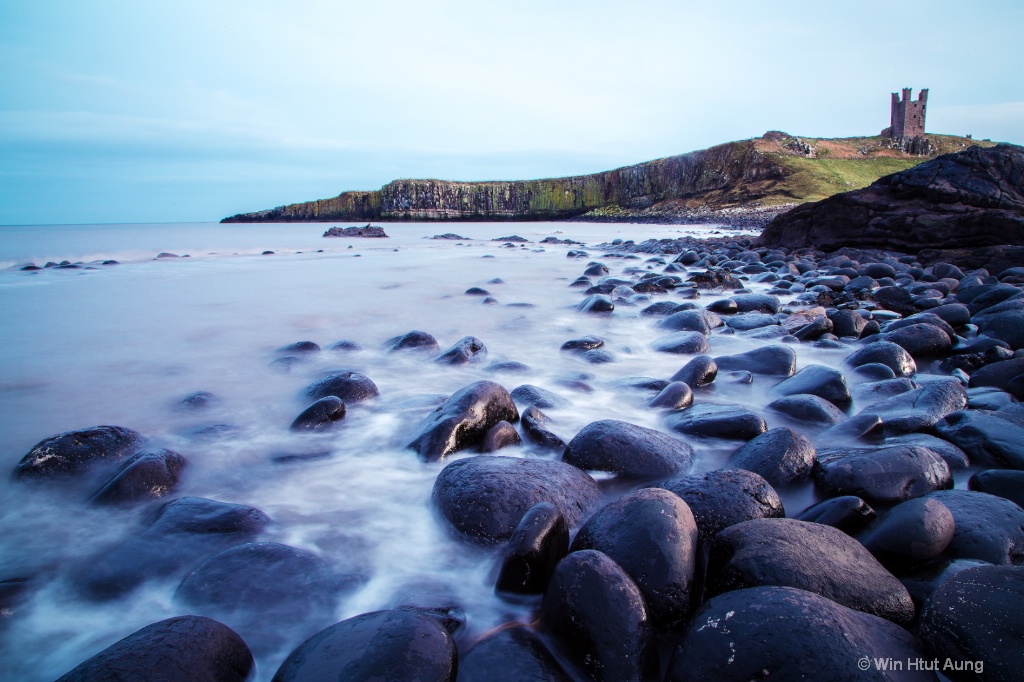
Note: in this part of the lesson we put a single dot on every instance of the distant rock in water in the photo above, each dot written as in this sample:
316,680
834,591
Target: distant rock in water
973,198
451,236
514,238
366,231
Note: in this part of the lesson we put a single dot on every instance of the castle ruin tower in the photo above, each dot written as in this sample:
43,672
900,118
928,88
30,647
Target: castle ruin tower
906,120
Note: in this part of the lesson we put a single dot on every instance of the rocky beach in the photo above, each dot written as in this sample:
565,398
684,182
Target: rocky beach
726,456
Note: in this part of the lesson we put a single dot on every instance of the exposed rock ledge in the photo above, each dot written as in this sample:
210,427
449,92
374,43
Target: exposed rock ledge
372,231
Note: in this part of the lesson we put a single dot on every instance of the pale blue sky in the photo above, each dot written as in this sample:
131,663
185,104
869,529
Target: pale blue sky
191,110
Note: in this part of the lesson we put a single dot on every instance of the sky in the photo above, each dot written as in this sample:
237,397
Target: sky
192,110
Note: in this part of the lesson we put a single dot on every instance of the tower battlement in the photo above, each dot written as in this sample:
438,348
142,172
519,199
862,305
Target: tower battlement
906,119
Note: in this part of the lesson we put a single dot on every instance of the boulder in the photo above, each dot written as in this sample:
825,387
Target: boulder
1000,482
535,426
772,360
808,409
698,372
715,420
781,456
782,633
988,439
719,499
652,535
848,513
485,497
349,387
538,543
512,654
398,644
974,622
598,304
627,450
917,531
676,396
527,394
702,321
971,198
921,408
598,613
988,528
415,340
818,380
893,356
467,350
921,340
499,436
681,343
807,556
71,454
463,420
181,648
885,475
321,415
145,476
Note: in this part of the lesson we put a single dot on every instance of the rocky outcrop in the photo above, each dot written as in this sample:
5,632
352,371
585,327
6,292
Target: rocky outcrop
970,199
372,231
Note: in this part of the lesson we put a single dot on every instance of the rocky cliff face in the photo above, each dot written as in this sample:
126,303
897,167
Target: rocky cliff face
973,198
731,172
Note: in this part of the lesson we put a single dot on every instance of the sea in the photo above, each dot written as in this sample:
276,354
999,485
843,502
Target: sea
206,307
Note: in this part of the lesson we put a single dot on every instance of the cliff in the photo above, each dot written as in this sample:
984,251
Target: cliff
775,170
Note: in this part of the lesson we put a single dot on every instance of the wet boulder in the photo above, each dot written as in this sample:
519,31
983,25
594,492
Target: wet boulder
71,454
998,374
885,475
182,648
988,528
463,420
847,323
848,513
681,343
921,340
818,380
891,355
914,531
872,392
321,415
698,372
717,420
719,499
582,344
598,613
301,347
1006,325
759,303
988,439
627,450
974,621
535,426
528,394
920,408
652,535
807,409
746,322
398,644
676,396
597,304
467,350
145,476
781,456
807,556
415,340
499,436
538,543
513,654
954,457
485,497
349,387
775,360
922,318
1000,482
782,633
702,321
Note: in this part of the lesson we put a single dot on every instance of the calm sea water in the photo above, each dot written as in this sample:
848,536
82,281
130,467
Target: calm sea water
122,344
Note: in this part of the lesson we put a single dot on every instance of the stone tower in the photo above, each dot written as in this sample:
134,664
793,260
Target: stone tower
906,120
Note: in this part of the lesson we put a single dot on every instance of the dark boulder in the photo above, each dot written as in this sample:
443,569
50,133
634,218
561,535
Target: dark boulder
873,392
1006,325
886,475
988,439
467,350
847,323
596,304
300,347
988,528
715,420
73,453
922,318
528,394
746,322
183,648
698,372
807,409
920,408
367,231
676,396
894,298
780,456
757,303
848,513
628,450
807,556
582,344
485,497
967,199
198,400
884,352
1000,482
513,654
600,616
350,387
321,415
818,380
145,476
787,634
917,531
998,374
463,420
414,340
921,340
770,360
652,535
702,321
682,343
535,426
719,499
499,436
539,541
399,644
974,621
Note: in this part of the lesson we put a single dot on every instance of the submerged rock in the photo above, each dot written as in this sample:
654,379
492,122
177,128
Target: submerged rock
463,420
143,477
467,350
320,415
350,387
73,453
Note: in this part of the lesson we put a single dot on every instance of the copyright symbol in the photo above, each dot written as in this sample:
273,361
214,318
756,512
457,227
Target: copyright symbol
863,662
